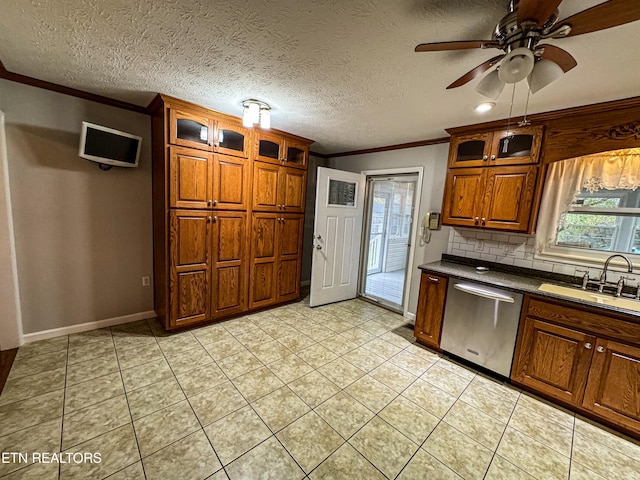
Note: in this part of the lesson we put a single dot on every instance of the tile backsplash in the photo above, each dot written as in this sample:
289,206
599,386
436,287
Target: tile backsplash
515,249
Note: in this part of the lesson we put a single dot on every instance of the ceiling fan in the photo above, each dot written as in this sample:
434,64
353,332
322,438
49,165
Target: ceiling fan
518,34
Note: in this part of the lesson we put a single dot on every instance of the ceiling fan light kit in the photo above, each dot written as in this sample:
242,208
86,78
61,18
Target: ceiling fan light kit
516,65
544,72
491,86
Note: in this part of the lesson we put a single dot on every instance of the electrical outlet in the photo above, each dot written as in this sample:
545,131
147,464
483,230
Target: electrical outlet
479,246
146,281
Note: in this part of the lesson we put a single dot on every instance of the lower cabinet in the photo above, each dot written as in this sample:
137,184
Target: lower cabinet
576,364
431,299
208,265
229,267
190,267
554,360
276,258
613,388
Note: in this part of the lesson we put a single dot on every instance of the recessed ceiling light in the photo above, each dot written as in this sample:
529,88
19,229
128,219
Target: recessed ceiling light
485,107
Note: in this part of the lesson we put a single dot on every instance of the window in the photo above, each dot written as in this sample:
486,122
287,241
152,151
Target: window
591,207
604,220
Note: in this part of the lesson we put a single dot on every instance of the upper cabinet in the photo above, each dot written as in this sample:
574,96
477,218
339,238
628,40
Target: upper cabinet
515,146
190,129
204,132
494,180
232,139
280,150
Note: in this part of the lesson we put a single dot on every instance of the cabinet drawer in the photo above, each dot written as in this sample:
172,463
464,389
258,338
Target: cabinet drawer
585,320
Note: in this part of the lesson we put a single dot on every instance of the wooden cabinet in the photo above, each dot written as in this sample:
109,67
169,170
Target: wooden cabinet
277,188
204,180
195,129
190,271
613,387
276,258
515,146
191,129
584,358
232,138
494,180
431,300
190,178
497,197
554,360
281,150
229,263
210,261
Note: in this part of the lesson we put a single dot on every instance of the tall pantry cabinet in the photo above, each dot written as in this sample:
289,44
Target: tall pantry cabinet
228,213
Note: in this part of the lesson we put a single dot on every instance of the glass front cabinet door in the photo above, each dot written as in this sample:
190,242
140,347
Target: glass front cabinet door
296,154
470,150
232,139
191,130
269,148
516,146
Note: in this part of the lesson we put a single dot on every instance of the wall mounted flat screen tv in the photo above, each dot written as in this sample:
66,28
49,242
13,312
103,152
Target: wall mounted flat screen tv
111,147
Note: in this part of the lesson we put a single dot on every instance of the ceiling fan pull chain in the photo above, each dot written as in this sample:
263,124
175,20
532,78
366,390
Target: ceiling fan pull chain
505,144
524,121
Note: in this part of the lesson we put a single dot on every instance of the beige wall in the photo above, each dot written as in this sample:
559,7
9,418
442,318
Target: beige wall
83,236
434,160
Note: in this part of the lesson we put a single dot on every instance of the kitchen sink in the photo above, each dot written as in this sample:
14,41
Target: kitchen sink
594,297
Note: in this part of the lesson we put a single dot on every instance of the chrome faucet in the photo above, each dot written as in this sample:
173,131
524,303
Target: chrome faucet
603,275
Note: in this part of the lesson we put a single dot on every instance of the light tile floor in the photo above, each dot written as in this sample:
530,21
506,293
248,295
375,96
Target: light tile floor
334,392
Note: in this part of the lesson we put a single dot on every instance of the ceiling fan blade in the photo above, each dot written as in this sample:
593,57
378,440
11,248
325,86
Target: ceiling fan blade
476,72
457,45
557,55
537,11
606,15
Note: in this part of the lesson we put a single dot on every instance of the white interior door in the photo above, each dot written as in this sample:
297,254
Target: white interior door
337,236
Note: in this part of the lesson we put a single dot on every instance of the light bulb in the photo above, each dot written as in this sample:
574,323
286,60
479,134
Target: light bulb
265,118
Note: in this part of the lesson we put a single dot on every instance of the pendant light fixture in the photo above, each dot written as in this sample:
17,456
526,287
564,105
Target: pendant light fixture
256,112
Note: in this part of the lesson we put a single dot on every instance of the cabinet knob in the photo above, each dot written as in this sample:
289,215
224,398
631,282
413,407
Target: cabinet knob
433,280
215,202
209,202
600,349
208,219
587,346
215,219
483,221
485,158
475,221
493,157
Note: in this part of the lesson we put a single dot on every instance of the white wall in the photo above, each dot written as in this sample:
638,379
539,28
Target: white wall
83,236
434,160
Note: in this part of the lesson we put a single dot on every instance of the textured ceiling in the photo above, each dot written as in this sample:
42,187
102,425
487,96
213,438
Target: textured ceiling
342,72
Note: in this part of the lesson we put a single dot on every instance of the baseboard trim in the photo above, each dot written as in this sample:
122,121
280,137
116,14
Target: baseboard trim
305,283
84,327
410,316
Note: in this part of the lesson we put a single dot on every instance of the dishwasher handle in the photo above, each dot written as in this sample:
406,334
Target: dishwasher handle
481,292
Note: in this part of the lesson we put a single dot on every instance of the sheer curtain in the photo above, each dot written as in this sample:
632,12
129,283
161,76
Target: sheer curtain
566,179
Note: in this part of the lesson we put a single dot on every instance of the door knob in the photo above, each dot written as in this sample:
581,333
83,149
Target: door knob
319,237
319,247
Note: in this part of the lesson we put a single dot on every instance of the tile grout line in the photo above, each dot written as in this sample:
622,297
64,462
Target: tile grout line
64,398
126,396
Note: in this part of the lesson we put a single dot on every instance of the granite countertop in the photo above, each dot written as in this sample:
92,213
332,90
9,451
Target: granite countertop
525,282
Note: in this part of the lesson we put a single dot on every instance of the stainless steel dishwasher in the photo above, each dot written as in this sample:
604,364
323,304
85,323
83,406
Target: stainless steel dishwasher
480,324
